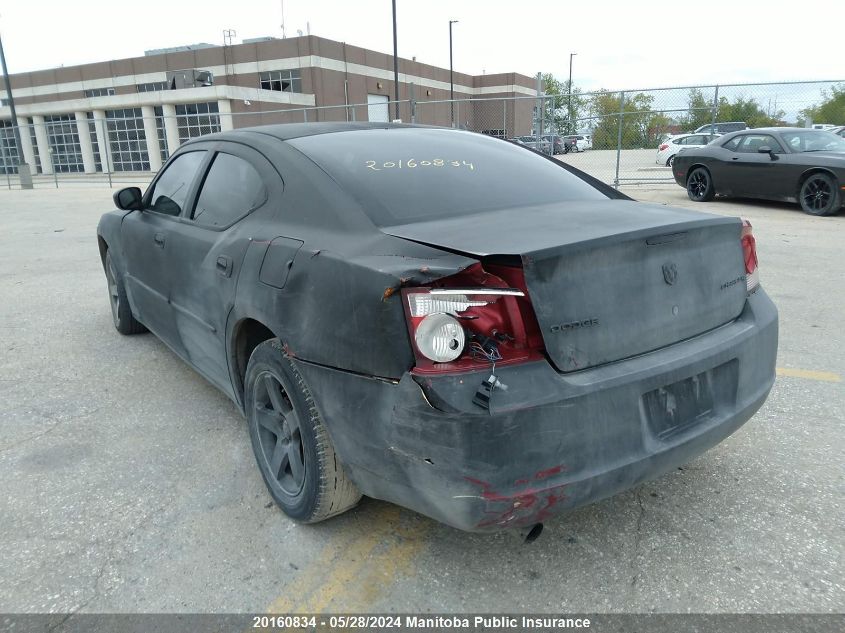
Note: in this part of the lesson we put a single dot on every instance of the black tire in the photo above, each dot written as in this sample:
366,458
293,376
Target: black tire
700,185
292,448
671,161
121,312
820,195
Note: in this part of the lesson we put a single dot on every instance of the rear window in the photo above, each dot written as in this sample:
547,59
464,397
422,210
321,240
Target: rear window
410,175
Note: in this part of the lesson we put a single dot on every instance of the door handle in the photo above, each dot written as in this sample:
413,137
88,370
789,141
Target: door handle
224,266
735,158
158,238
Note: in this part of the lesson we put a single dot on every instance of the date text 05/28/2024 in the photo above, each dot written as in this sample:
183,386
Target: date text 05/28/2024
418,622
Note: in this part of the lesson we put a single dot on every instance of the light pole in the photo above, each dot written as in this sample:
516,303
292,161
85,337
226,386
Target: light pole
569,106
23,168
451,78
395,63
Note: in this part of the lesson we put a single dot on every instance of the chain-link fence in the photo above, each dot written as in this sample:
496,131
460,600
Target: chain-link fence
620,137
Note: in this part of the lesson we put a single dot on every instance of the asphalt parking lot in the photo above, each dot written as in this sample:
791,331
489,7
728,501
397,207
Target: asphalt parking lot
130,483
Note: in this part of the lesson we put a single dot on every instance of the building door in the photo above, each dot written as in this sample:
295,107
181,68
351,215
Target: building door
377,109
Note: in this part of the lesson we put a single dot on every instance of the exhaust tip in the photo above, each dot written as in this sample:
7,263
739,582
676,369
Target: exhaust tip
534,533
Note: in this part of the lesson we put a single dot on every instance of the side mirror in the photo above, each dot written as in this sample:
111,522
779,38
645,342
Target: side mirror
128,199
765,149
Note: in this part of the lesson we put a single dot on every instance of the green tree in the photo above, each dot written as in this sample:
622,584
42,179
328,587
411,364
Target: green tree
830,110
748,110
659,125
637,119
559,105
700,110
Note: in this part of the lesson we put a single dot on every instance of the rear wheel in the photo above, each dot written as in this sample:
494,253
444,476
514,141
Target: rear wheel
820,195
290,442
700,185
671,161
121,313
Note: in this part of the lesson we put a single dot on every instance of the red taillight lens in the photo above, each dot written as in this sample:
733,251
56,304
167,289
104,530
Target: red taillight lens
663,146
749,254
471,320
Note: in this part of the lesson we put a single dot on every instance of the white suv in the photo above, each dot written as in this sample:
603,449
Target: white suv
671,146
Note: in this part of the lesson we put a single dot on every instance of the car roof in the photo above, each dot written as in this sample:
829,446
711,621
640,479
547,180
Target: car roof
767,130
779,129
287,131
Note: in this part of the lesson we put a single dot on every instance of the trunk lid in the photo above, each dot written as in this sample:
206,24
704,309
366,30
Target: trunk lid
608,279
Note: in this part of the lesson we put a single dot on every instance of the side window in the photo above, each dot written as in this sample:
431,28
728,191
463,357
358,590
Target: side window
171,189
733,144
753,142
231,189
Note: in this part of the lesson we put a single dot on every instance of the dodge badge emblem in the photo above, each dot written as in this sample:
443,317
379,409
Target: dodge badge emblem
670,273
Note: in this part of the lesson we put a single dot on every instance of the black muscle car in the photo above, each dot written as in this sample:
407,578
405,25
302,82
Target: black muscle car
779,163
441,319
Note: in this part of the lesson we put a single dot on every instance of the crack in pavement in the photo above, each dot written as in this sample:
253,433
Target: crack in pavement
57,422
638,540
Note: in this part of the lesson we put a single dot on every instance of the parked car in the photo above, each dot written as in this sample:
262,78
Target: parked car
722,127
792,164
579,142
667,150
543,145
560,144
440,319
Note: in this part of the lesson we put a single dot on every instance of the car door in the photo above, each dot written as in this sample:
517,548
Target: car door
145,237
754,174
207,250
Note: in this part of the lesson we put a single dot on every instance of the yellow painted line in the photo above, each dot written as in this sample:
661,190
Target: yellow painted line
824,376
354,570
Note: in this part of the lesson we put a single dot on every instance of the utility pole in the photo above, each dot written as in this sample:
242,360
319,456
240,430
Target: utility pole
451,78
23,169
395,63
228,37
569,106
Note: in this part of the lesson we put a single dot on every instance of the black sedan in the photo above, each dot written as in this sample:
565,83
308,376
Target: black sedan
790,164
441,319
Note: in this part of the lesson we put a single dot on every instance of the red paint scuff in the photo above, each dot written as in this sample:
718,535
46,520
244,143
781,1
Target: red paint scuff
522,507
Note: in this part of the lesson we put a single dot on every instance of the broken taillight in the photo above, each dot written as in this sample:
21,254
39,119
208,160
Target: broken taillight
471,320
749,254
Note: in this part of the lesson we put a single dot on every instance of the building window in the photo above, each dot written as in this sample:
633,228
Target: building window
36,168
99,92
196,119
8,149
92,131
281,80
64,141
127,142
152,86
162,134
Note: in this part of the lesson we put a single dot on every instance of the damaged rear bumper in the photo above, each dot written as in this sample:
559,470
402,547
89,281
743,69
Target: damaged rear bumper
551,441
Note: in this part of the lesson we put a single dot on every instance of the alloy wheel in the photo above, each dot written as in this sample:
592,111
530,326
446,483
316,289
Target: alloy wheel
279,434
817,194
114,296
698,184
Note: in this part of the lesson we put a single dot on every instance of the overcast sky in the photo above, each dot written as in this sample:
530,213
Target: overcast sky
620,44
